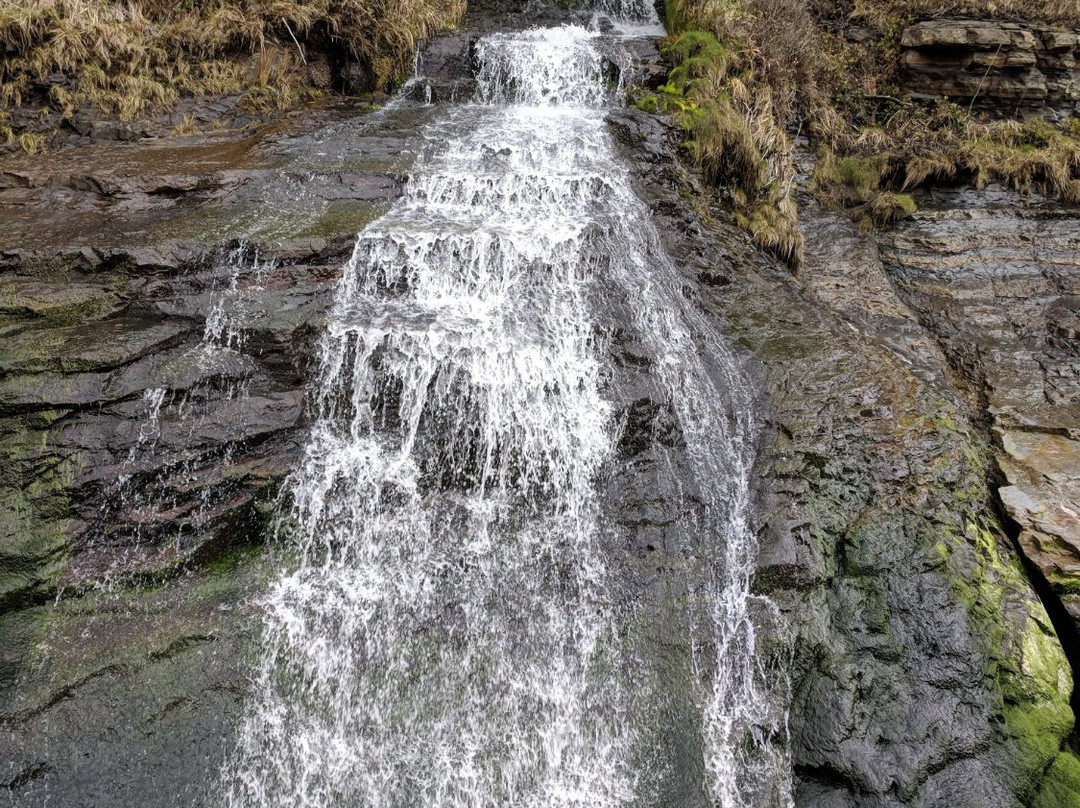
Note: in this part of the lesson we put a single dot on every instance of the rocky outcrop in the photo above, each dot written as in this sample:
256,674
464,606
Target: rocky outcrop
925,671
996,282
152,399
445,64
135,361
127,696
1009,65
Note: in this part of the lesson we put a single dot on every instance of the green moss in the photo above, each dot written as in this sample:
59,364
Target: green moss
648,102
34,518
1065,584
858,184
732,127
1026,664
697,57
1027,661
232,559
1038,730
860,174
1060,787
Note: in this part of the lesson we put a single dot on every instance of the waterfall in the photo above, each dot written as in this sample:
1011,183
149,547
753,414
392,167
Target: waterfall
450,633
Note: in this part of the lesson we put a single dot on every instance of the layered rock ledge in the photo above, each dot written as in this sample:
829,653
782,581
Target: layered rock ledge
997,283
1012,64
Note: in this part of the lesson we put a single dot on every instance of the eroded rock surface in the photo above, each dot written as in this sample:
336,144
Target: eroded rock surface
996,282
152,400
159,309
1010,64
925,669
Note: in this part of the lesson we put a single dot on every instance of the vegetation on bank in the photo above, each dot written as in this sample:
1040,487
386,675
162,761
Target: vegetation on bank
739,85
743,85
134,58
946,144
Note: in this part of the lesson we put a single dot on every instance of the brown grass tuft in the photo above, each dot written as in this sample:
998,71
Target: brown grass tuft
746,74
735,89
131,57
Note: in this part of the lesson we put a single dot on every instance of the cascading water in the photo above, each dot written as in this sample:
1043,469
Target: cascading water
452,633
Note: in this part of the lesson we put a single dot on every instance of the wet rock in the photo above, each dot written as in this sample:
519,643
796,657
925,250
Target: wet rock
641,63
117,198
58,301
996,287
1063,325
645,423
447,66
354,186
915,635
645,134
98,346
143,438
134,681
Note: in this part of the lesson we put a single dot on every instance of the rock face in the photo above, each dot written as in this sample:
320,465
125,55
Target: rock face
1006,64
133,362
137,452
996,283
134,698
445,65
925,670
152,400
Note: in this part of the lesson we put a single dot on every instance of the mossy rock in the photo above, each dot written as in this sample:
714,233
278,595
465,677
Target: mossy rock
1061,784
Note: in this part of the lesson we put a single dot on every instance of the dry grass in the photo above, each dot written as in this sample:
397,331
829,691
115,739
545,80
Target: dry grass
131,58
888,207
187,125
948,144
747,74
940,142
776,42
737,85
880,12
774,229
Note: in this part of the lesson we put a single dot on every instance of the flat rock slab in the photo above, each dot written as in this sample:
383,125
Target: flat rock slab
95,346
973,34
208,189
1043,497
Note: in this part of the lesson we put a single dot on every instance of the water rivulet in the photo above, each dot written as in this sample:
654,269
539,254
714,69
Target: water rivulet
456,628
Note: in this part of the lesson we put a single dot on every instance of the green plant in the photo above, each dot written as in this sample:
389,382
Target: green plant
888,207
732,132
